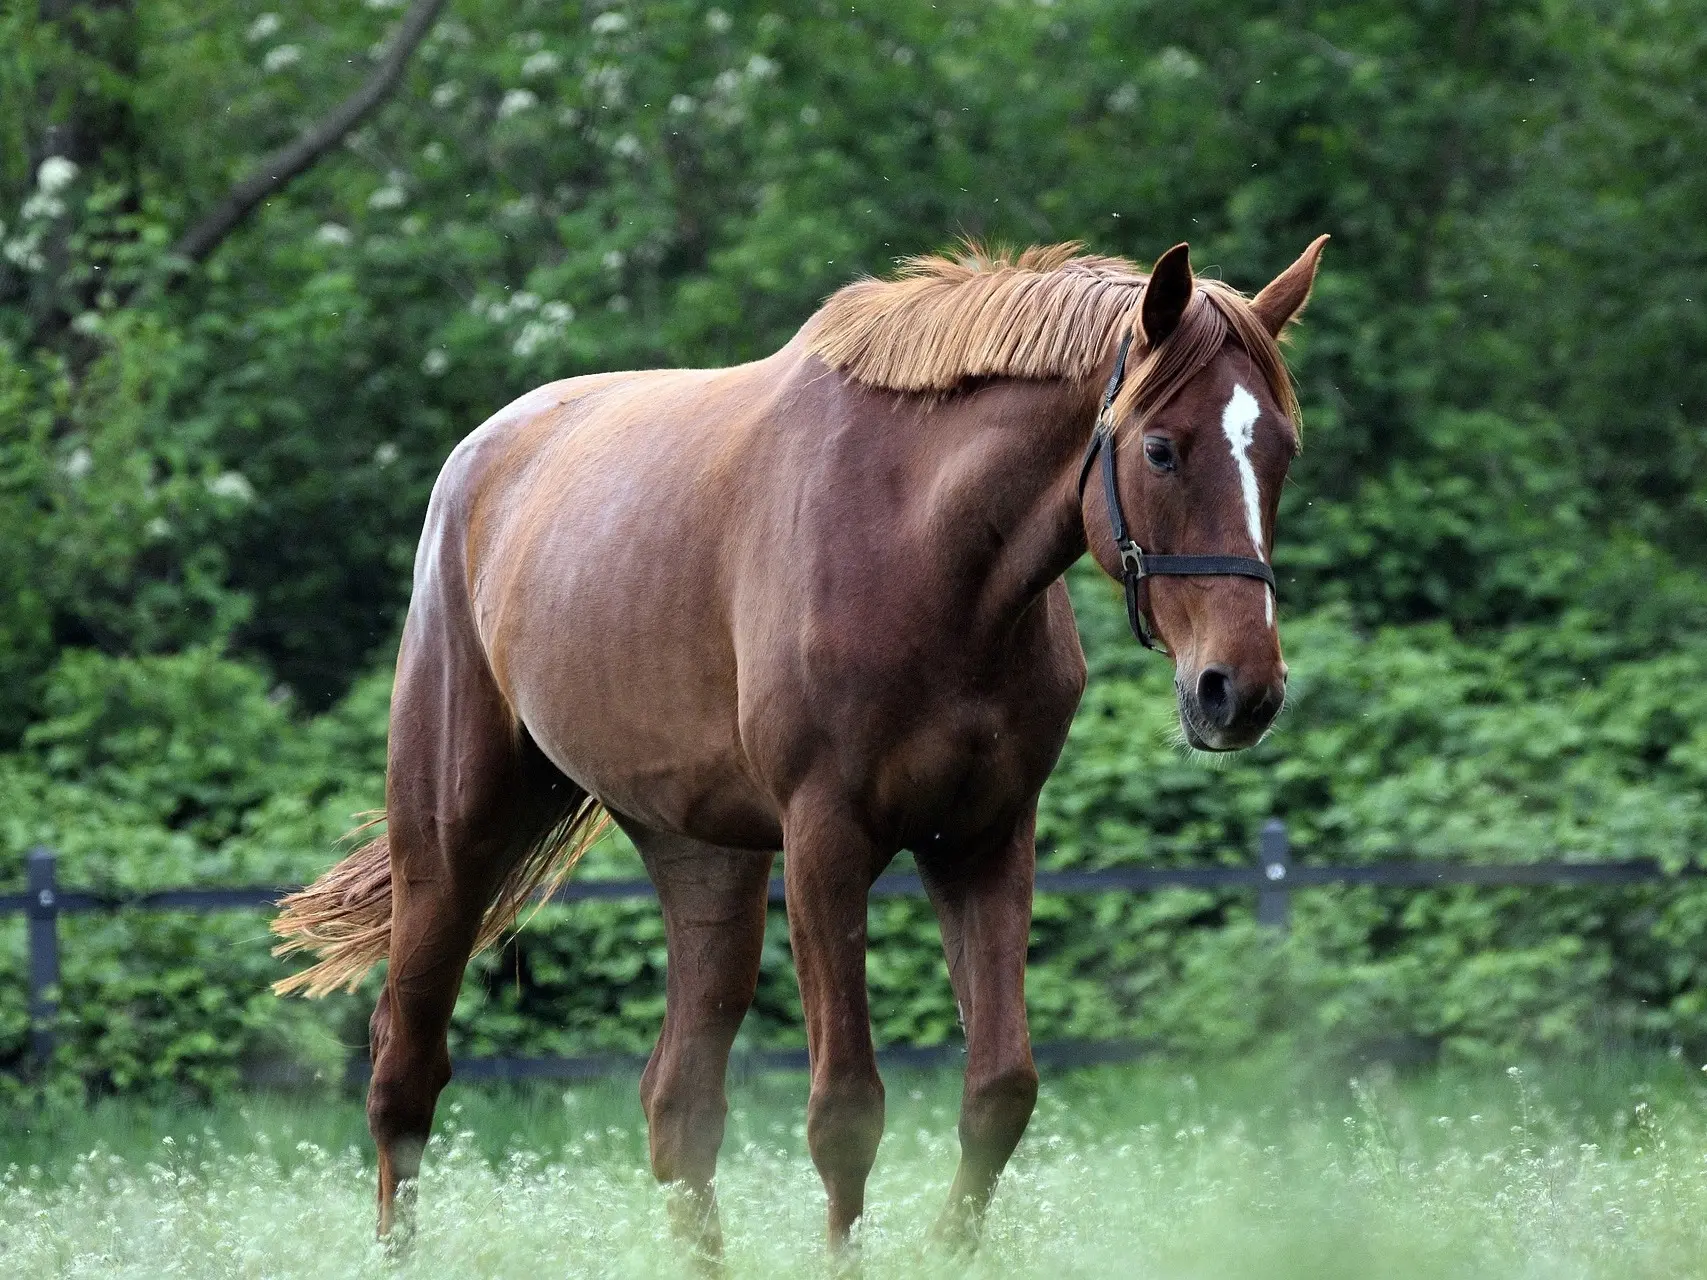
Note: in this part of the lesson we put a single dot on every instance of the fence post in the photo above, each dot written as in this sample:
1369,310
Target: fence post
1274,898
43,884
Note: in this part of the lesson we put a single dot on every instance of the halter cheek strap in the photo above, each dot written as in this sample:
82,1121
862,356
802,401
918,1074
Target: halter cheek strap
1135,566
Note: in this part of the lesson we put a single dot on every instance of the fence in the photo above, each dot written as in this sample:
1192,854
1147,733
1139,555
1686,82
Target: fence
1274,878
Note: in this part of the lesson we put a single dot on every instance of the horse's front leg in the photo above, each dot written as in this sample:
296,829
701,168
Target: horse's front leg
828,866
983,902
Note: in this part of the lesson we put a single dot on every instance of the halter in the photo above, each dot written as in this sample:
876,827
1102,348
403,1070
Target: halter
1135,566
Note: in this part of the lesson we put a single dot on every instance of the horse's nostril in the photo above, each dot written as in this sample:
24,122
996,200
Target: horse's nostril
1215,696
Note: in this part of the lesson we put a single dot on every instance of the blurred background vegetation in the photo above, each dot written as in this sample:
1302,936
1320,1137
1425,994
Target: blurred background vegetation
212,471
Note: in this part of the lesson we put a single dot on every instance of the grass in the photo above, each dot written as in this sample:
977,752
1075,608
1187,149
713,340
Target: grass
1260,1169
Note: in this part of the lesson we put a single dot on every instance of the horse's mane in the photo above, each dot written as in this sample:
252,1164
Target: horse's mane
1052,312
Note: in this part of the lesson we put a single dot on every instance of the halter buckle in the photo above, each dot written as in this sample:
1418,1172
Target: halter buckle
1132,558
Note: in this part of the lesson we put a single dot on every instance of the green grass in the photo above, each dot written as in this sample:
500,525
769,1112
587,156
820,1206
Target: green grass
1262,1170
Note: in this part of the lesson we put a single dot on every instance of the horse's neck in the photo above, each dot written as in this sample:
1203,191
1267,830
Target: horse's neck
1003,496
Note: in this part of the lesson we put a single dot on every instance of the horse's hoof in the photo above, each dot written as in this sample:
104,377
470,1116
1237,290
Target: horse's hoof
396,1232
845,1257
955,1235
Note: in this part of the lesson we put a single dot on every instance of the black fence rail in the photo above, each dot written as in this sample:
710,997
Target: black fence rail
1273,877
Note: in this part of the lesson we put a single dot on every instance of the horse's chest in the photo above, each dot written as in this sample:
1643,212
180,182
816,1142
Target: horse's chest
945,738
954,775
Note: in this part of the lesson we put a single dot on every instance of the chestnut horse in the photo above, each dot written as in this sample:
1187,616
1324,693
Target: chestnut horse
813,604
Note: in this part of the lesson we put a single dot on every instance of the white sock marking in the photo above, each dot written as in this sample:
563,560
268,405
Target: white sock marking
1238,423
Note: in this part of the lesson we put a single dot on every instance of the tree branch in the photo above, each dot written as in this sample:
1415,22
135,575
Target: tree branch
278,169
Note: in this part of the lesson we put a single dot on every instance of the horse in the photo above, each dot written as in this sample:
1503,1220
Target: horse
810,604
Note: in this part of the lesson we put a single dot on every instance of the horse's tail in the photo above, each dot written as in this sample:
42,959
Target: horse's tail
344,917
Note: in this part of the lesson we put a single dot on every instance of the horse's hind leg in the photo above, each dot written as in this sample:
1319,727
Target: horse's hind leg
466,796
714,919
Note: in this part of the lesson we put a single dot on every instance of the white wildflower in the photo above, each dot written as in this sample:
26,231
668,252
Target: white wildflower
386,454
266,25
553,319
718,21
332,233
614,260
618,304
387,197
1177,63
159,527
542,63
681,105
42,207
383,5
451,31
760,67
525,302
809,115
79,463
55,174
531,338
515,102
605,82
434,363
627,146
24,253
233,485
446,93
285,55
607,24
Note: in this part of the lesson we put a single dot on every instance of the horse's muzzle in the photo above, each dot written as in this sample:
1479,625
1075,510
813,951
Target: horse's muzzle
1221,712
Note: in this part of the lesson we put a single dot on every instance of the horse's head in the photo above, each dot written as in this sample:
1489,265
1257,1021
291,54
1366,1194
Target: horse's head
1205,427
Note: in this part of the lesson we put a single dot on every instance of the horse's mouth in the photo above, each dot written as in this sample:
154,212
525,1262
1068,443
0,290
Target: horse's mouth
1201,737
1200,743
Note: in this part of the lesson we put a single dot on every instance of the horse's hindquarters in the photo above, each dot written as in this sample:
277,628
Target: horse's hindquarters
598,565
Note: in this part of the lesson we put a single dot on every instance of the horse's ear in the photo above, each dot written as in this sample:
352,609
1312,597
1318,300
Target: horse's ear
1167,294
1282,299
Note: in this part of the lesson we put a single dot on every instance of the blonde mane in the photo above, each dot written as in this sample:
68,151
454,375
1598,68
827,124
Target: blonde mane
1050,313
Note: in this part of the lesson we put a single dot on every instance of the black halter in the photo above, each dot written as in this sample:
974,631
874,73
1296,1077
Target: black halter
1135,566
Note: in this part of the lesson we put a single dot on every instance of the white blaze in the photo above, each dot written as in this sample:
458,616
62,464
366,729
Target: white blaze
1238,423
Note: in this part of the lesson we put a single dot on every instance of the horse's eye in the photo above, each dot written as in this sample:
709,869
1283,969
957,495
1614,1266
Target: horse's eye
1160,453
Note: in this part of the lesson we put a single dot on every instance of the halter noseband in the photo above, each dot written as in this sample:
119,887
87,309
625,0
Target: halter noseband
1135,566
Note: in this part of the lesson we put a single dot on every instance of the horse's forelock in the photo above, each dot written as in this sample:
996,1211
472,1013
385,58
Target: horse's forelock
1216,312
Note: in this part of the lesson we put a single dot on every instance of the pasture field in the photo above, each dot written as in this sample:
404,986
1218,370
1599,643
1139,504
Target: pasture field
1258,1169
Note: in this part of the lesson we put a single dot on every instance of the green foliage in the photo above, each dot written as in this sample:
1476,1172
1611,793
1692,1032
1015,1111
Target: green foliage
1489,556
